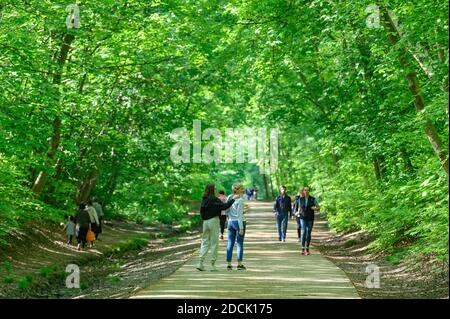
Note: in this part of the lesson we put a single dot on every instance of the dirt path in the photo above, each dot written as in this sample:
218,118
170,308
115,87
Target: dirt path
128,257
274,269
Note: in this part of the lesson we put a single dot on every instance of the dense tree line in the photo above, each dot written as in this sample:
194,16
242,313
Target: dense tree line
358,91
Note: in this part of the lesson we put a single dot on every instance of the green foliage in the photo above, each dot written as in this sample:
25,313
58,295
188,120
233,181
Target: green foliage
129,245
44,272
25,282
83,286
336,90
171,240
189,223
114,279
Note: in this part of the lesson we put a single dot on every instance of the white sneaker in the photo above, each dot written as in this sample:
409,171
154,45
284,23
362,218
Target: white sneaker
213,268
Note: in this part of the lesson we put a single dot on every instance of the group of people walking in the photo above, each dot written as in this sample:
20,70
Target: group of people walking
303,209
251,193
86,225
215,211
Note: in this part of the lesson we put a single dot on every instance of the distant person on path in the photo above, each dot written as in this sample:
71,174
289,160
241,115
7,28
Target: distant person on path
296,211
282,208
83,222
99,209
210,210
223,216
69,227
249,193
308,206
236,226
255,193
94,220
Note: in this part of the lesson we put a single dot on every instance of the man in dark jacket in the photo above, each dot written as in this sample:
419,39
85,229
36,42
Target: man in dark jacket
282,208
210,210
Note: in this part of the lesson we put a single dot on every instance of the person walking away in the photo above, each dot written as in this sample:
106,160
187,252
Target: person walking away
282,208
223,215
255,193
308,206
69,227
296,211
210,210
249,193
99,209
83,222
236,227
94,220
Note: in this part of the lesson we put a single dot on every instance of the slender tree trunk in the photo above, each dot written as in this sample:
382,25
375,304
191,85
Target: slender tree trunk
407,160
88,185
376,167
382,164
335,159
112,184
414,87
277,177
271,187
39,183
266,186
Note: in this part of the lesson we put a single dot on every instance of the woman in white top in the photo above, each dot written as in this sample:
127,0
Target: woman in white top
236,226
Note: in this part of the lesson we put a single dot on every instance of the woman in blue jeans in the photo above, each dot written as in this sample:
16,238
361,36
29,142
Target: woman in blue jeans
308,206
236,227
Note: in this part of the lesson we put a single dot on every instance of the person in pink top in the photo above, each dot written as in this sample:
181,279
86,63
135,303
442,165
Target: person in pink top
223,216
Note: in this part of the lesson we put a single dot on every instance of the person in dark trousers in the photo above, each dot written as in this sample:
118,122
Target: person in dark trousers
223,216
296,211
210,210
282,208
249,193
83,222
308,206
236,226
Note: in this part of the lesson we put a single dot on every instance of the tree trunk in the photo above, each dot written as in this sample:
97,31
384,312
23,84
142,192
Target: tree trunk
414,87
335,159
40,180
112,182
277,177
376,167
87,186
271,187
39,183
266,186
407,160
